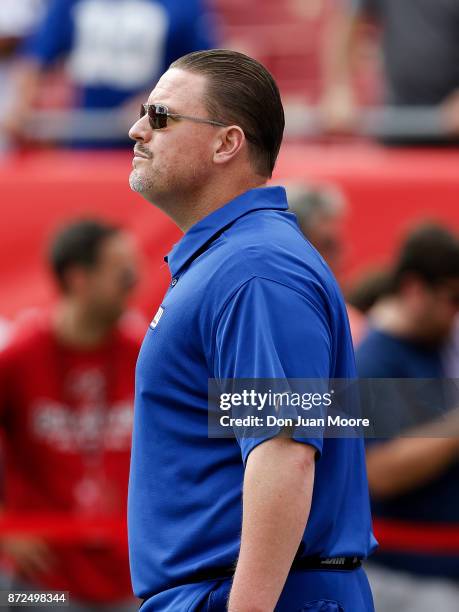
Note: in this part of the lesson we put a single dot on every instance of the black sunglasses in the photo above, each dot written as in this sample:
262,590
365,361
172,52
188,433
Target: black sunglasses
158,115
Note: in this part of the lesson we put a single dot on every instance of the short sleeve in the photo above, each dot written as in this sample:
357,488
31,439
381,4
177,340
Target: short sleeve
269,330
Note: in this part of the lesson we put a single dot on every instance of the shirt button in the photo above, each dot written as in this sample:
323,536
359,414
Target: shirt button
174,282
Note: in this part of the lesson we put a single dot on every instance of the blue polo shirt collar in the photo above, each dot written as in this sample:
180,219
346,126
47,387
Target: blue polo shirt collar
201,234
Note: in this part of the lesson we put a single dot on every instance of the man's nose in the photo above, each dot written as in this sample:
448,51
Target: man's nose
141,130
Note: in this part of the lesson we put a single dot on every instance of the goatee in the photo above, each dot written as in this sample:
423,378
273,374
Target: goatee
135,182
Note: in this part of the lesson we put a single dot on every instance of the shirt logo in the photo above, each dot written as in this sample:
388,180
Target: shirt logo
158,315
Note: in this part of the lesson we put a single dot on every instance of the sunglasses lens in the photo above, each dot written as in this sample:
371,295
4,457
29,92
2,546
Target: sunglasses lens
157,115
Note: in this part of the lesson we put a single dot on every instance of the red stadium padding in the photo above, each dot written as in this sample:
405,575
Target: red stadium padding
387,190
65,528
428,538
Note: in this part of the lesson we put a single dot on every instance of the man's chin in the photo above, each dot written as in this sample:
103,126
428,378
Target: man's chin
136,182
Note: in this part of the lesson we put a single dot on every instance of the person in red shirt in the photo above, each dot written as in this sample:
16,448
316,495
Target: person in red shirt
66,400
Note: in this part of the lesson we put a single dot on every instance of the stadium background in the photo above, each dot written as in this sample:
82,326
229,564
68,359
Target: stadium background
388,190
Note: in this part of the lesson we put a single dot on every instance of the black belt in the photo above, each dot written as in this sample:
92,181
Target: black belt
304,563
330,563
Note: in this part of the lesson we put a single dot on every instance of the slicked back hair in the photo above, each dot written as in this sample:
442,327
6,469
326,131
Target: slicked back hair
241,91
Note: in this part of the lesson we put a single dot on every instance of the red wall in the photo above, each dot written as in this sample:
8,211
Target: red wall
387,190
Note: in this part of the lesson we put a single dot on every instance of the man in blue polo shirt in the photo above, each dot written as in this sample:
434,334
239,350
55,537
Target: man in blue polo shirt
225,524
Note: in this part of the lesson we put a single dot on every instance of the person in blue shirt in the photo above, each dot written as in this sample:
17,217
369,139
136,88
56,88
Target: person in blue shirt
113,49
414,480
248,523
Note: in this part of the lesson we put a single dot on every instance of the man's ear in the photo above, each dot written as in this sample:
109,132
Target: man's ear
228,143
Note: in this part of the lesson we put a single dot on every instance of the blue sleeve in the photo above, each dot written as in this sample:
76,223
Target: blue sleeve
269,330
54,35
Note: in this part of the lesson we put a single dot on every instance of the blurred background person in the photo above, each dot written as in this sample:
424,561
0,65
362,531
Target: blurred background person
321,212
414,481
368,296
66,400
113,51
370,288
18,19
419,43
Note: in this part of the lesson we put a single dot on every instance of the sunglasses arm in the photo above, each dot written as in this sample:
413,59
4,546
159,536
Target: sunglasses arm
196,119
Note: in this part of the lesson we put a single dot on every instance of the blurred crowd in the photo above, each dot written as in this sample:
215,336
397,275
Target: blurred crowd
74,73
66,397
405,325
100,54
419,48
